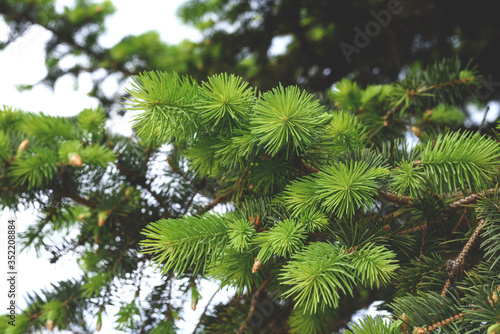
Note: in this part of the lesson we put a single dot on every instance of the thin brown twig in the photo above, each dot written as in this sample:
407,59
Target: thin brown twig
219,198
394,198
455,267
460,220
176,169
484,119
452,207
189,203
435,326
471,199
254,302
77,198
424,230
468,245
124,249
135,179
148,151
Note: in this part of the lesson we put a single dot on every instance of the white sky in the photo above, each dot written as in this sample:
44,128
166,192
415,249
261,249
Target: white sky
23,63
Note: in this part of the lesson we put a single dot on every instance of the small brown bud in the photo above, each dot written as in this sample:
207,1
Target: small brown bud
194,302
81,217
75,160
50,325
494,329
101,218
23,146
416,131
256,266
98,325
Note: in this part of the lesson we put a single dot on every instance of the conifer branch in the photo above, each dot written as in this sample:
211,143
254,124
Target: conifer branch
460,258
471,199
435,326
169,295
394,198
254,302
455,82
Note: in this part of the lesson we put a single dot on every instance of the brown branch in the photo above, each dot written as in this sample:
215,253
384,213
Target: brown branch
176,169
446,286
459,221
444,84
468,245
394,198
124,249
189,203
424,229
141,181
469,200
220,198
254,302
484,119
148,151
454,267
452,207
435,326
169,295
77,198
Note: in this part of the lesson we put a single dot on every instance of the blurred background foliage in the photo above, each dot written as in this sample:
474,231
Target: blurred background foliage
241,37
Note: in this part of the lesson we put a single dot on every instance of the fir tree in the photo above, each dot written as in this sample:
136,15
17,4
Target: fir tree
328,209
